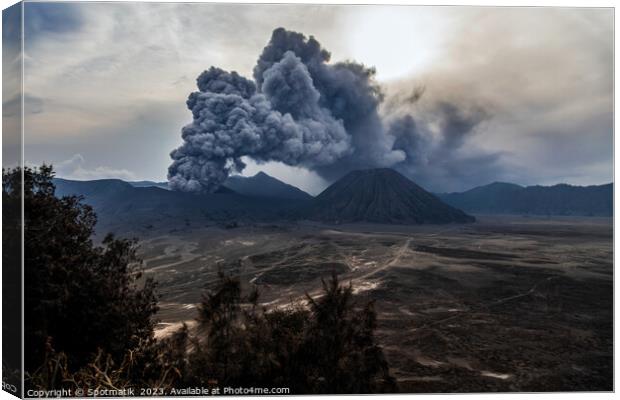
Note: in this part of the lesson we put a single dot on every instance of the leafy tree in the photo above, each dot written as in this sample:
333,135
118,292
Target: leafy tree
79,297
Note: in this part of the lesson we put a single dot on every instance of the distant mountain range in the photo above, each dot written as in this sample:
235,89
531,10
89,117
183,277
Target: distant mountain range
379,196
382,196
376,195
259,185
508,198
121,206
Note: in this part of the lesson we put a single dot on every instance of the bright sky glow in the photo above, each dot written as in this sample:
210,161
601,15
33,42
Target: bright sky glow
398,41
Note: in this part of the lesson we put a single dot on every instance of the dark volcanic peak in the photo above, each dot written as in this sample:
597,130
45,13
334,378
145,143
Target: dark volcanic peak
263,185
382,196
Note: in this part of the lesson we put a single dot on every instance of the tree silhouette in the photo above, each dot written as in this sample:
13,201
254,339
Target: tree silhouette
89,317
79,297
327,346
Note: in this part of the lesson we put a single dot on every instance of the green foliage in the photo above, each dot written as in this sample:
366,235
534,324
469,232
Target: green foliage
79,297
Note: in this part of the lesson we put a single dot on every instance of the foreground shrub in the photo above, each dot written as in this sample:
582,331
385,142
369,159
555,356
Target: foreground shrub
78,297
89,318
325,346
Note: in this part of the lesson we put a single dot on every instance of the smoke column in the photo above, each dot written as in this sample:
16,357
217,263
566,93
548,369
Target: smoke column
299,110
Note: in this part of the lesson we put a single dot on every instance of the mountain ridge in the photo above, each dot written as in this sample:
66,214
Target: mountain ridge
559,199
258,185
264,185
388,198
123,207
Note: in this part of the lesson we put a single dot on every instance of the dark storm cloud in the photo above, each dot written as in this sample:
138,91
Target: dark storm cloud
11,25
50,18
436,158
12,106
457,123
407,137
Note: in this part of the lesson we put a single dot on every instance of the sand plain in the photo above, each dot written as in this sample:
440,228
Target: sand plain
504,304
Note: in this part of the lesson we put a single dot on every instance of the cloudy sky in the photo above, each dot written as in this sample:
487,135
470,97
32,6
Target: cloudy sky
106,84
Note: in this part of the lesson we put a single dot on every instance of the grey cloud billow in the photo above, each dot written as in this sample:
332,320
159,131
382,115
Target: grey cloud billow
299,110
231,119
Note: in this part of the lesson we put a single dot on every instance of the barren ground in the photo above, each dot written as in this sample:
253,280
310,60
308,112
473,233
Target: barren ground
504,304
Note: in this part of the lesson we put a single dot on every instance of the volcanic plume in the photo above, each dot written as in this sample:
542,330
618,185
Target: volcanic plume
300,110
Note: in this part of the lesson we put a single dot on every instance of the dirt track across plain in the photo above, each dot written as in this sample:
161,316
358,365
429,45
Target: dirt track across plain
505,304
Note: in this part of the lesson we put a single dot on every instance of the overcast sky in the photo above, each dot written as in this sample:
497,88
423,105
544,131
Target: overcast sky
106,84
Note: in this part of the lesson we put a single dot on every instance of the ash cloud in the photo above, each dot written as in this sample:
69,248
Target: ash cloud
541,111
301,110
231,119
436,145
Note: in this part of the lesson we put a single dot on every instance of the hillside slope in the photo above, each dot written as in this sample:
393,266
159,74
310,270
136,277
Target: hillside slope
382,196
263,185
